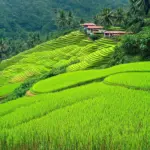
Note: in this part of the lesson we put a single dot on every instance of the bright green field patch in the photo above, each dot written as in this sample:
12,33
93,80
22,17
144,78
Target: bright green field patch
119,120
2,80
7,89
47,104
11,106
132,79
65,54
91,116
64,80
70,79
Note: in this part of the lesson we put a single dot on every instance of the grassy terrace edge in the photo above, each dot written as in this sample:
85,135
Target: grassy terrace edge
72,79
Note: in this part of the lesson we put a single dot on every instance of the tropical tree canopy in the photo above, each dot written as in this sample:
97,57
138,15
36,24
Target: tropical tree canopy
141,4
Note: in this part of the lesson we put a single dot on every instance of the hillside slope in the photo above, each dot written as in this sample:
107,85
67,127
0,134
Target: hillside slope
66,54
92,109
39,15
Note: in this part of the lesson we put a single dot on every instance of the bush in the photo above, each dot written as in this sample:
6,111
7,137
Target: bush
147,22
94,37
130,45
117,57
137,44
132,48
137,27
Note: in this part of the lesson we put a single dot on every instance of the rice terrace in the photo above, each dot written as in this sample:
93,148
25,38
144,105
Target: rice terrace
71,84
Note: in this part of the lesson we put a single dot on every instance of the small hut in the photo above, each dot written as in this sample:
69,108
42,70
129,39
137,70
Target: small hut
95,29
115,33
85,25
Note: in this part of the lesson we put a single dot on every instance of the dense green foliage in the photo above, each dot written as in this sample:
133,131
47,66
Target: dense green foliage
133,48
25,24
138,43
70,120
18,17
10,46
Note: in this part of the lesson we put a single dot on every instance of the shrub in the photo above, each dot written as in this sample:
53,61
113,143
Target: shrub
137,44
147,22
94,37
132,48
130,45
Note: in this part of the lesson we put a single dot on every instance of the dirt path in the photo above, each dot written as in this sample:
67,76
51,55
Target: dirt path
29,94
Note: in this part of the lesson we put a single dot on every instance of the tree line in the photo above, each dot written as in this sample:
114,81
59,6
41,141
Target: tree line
65,21
10,47
135,47
125,18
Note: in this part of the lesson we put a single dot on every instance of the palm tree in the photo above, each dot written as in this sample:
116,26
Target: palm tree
96,19
119,16
106,17
142,4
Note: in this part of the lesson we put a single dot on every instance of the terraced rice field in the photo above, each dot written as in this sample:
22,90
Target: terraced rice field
7,89
68,53
94,109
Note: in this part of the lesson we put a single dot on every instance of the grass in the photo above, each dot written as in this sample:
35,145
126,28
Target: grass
136,80
47,104
91,115
82,110
70,79
7,89
72,52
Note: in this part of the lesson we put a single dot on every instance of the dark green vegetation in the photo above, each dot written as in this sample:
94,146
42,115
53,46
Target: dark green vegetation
26,24
36,15
133,48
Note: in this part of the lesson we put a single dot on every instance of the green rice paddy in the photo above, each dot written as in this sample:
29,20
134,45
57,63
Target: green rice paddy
80,109
81,77
93,109
68,53
7,89
139,80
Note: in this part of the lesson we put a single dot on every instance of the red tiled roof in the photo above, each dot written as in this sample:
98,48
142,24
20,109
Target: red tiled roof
95,27
89,24
116,32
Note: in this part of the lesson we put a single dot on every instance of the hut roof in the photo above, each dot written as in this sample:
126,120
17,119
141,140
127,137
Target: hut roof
95,27
116,32
89,24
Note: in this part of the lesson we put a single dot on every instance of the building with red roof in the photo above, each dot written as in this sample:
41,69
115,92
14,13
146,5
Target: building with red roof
115,33
88,24
95,29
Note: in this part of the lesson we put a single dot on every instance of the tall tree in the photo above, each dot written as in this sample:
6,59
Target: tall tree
3,49
142,4
119,16
106,17
61,19
96,19
70,19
